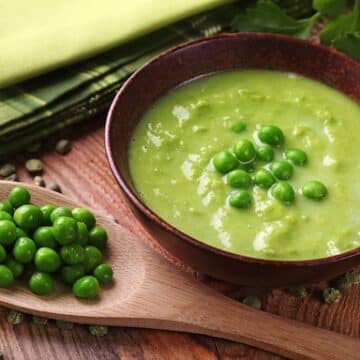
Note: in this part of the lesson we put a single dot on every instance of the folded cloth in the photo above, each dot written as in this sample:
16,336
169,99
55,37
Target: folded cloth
34,109
40,35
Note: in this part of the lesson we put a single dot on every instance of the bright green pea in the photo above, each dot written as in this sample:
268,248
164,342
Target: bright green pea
60,212
7,207
282,169
93,257
65,230
72,254
16,268
283,192
47,260
271,135
245,151
85,216
28,217
70,273
5,216
46,211
41,283
19,196
264,178
44,237
6,277
238,127
265,153
24,250
225,161
103,273
240,199
3,254
296,156
98,237
20,233
314,190
239,179
7,232
83,234
87,287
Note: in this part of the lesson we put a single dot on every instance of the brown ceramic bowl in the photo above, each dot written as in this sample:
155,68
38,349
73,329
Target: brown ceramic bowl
232,51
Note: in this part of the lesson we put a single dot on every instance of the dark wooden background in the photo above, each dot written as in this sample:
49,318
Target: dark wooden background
84,174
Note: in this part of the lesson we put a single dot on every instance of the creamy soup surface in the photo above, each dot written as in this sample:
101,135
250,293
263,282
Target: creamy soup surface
171,162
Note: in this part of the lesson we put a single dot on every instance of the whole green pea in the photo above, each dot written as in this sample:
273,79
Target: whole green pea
6,277
5,216
70,273
24,250
245,151
43,237
271,135
238,127
83,234
7,232
7,207
314,190
283,192
103,273
65,230
19,196
72,254
41,283
98,237
265,153
85,216
282,169
60,212
264,179
46,211
87,287
224,162
28,217
239,179
16,268
240,199
47,260
93,257
296,156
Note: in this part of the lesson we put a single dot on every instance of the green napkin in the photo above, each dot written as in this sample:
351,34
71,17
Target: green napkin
34,109
41,35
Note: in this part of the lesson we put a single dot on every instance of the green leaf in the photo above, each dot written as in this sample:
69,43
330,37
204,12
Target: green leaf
349,43
357,15
330,8
337,28
268,17
348,23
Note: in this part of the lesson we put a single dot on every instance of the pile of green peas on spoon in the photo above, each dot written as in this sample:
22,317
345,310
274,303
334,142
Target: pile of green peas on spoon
238,164
41,243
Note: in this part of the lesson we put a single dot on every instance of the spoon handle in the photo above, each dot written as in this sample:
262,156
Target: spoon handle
215,315
174,300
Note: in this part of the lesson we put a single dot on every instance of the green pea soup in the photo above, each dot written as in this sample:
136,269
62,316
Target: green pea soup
171,163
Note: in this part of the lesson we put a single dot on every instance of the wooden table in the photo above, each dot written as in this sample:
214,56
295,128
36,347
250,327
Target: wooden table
85,175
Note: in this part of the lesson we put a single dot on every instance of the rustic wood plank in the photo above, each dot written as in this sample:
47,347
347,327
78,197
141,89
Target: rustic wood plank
84,174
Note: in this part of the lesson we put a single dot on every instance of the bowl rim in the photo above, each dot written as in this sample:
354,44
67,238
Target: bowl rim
151,215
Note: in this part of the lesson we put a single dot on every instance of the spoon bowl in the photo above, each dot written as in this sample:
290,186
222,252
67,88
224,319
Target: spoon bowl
150,292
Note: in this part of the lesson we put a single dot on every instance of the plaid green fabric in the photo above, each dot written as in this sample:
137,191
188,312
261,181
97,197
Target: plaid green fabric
35,109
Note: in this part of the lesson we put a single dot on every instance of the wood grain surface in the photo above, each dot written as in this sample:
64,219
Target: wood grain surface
84,175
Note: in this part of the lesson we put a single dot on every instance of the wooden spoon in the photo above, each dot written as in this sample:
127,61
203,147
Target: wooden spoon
149,292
